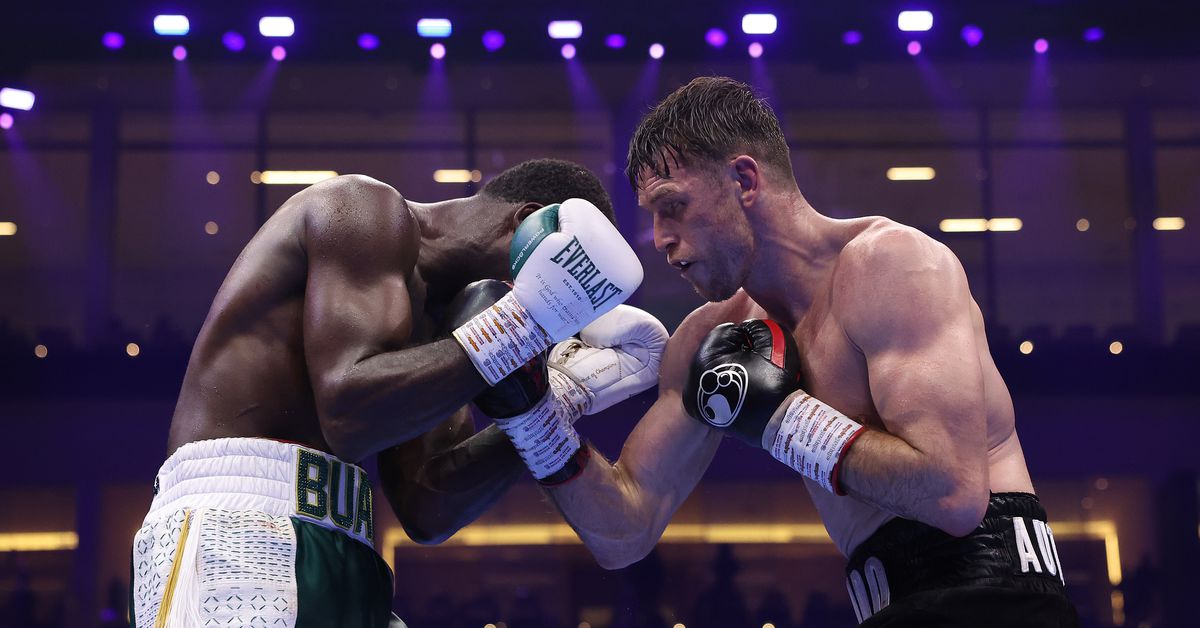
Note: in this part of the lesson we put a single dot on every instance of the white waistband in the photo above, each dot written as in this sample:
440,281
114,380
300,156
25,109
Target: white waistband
280,479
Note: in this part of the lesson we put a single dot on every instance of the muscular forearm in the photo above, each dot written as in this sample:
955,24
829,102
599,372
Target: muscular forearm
393,397
452,488
886,471
607,511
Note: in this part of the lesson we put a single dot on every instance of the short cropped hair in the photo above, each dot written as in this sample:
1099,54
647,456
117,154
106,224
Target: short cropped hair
548,181
711,118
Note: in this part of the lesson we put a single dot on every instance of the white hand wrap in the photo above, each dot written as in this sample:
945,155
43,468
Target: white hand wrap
811,438
501,338
543,436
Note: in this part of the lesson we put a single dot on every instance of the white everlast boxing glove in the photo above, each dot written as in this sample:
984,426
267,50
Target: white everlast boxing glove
614,358
570,266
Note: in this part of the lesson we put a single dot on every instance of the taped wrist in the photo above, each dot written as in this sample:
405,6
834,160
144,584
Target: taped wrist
543,437
812,439
501,338
573,397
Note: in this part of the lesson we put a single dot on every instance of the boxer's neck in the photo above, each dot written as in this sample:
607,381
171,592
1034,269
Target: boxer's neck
795,250
451,243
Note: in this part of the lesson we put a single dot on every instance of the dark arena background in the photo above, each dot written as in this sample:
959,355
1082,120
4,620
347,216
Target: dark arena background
1053,145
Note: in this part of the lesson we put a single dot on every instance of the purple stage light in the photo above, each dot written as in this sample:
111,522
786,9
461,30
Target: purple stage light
568,51
972,35
657,51
279,53
716,37
493,41
1041,46
437,51
615,40
852,38
6,121
233,41
914,48
1093,34
113,41
755,50
179,52
368,41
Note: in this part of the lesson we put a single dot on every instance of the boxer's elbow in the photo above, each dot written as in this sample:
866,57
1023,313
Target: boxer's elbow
962,507
632,543
622,555
426,530
344,411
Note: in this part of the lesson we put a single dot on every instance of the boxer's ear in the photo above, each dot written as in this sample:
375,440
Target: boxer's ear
523,211
748,176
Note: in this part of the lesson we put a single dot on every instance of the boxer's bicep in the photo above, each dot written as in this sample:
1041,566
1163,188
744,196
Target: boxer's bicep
360,246
911,318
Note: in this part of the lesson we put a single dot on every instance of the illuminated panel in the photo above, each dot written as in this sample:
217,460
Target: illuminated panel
911,174
457,176
734,533
38,541
171,24
294,177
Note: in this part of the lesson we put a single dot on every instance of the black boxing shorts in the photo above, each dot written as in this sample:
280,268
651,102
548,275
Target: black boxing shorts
1005,573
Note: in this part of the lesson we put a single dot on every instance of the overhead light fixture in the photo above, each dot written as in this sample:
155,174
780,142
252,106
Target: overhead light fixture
38,541
923,173
457,176
276,26
759,23
972,225
434,27
16,98
1168,223
565,29
172,25
292,177
914,21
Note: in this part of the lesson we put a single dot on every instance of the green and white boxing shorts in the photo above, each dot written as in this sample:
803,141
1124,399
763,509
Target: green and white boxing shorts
256,532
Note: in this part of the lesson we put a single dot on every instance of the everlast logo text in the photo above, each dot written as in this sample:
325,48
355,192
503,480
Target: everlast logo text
577,263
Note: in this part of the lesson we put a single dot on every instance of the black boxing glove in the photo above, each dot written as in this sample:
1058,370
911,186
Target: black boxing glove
518,391
740,376
739,380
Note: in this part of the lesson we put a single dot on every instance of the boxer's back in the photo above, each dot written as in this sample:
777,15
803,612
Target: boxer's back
247,375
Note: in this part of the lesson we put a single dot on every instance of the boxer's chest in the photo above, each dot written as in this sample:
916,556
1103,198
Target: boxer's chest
833,369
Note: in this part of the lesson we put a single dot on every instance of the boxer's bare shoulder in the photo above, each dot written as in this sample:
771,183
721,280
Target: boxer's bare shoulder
351,211
331,243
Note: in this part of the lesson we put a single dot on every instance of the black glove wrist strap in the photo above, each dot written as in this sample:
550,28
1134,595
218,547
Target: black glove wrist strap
572,469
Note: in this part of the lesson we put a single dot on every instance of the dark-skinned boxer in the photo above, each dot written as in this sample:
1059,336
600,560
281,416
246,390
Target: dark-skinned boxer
322,348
